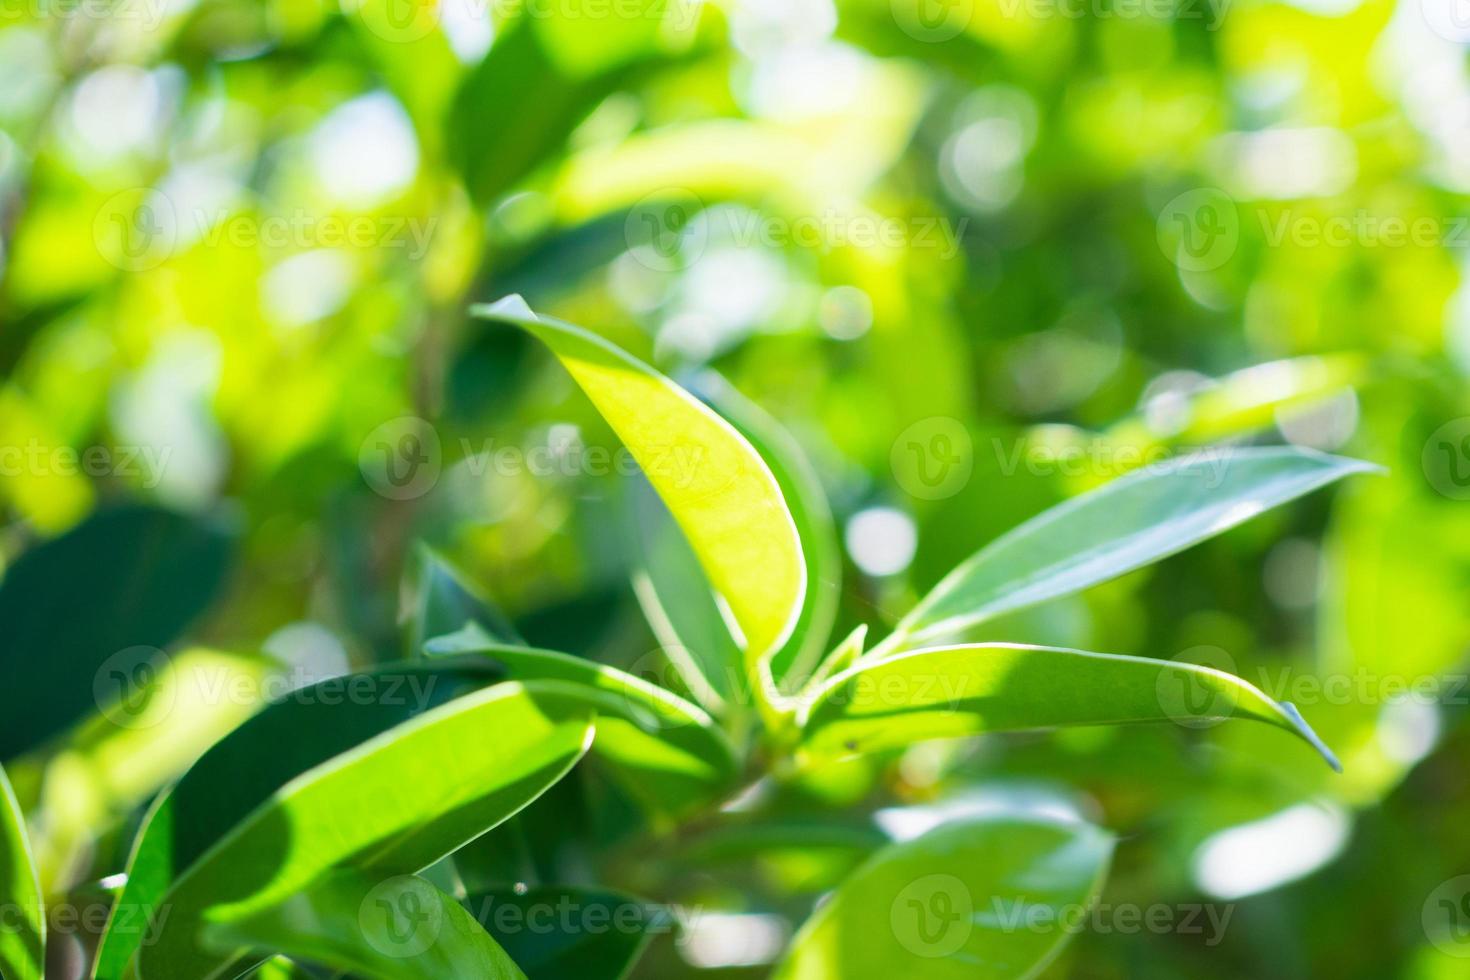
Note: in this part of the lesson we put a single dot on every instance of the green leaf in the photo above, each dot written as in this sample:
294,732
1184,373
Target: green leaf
719,490
280,968
668,751
949,692
444,603
23,934
680,606
1126,524
554,932
243,770
494,141
128,577
162,714
815,528
396,803
396,928
991,898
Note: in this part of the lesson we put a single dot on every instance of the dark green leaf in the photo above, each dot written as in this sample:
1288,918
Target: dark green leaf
990,898
395,928
129,577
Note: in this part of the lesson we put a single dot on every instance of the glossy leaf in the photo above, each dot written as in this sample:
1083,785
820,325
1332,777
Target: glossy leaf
394,804
554,932
23,934
164,714
396,928
815,528
992,898
715,484
949,692
669,751
1126,524
244,769
129,577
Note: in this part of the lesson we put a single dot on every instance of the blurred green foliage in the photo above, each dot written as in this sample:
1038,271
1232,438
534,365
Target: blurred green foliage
1043,241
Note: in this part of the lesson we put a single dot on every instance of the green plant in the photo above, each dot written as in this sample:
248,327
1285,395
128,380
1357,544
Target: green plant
342,824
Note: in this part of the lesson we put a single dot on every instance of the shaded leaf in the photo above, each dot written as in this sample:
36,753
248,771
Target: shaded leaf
243,770
444,603
990,898
396,928
394,804
23,933
669,752
129,577
555,932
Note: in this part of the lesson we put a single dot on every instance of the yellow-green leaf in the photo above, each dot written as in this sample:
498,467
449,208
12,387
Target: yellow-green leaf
720,491
23,933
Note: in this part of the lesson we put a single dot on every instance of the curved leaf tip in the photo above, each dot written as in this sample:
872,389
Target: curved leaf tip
1308,734
718,488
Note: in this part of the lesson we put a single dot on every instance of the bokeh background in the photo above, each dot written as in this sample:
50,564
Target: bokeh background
977,256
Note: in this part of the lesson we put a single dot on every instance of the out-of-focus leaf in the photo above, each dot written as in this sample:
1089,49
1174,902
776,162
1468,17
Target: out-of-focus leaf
394,804
1131,522
414,55
553,932
137,743
398,928
995,687
715,484
670,752
284,741
444,603
23,935
1246,400
130,577
962,901
494,140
